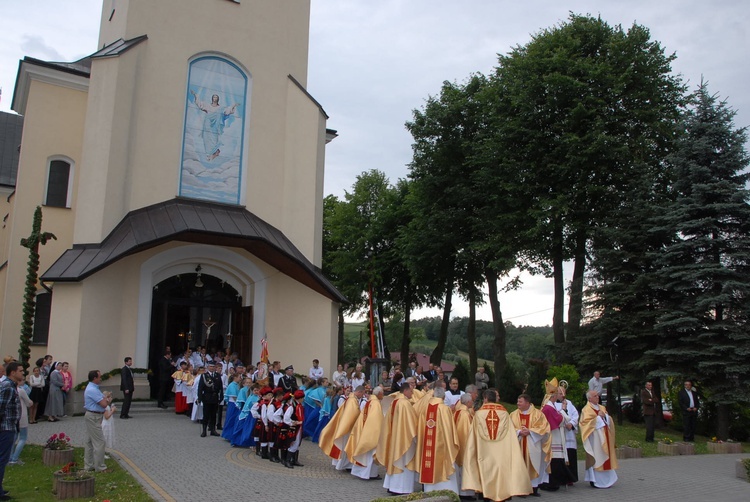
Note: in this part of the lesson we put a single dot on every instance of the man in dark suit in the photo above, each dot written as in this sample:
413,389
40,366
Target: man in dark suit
166,368
127,386
688,400
648,399
210,393
288,382
431,374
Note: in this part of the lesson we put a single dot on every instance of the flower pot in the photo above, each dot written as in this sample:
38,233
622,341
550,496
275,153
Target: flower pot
74,488
733,447
57,457
628,452
686,448
668,449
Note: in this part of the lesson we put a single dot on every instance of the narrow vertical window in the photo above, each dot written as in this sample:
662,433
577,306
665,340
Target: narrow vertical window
41,318
58,184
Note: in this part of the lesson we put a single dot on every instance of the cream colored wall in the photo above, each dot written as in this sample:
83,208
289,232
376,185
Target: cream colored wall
301,325
53,125
134,133
301,205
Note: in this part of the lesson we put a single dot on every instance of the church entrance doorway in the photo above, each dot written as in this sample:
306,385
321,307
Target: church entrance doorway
191,310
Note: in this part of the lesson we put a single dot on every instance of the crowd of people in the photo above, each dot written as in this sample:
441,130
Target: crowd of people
433,435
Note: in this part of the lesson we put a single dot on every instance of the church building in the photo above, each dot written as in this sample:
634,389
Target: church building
180,167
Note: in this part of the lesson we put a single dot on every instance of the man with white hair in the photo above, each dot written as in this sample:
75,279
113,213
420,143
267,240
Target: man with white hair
364,438
598,435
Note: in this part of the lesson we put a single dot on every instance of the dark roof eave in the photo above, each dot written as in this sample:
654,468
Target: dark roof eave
129,238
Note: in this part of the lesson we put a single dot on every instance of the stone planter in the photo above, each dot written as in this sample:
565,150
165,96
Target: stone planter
71,487
723,447
686,448
668,449
57,457
628,452
733,447
740,470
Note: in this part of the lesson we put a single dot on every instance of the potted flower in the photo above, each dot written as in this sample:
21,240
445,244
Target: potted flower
668,447
631,449
716,445
57,450
72,483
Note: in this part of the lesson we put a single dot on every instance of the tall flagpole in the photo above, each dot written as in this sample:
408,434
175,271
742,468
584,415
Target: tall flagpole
372,326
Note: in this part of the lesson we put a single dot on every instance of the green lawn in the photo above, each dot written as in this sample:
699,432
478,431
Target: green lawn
629,431
33,480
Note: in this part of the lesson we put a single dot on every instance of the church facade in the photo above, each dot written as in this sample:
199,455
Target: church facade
180,167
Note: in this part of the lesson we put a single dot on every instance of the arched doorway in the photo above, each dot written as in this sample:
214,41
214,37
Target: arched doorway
197,309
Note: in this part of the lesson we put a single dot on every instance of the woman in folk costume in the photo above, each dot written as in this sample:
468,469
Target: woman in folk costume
243,392
230,396
314,397
332,395
559,474
258,410
244,436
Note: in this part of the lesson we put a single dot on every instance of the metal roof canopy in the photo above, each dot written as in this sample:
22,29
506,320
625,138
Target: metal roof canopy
193,221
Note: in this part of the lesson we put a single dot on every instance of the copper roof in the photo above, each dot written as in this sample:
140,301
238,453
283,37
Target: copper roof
187,220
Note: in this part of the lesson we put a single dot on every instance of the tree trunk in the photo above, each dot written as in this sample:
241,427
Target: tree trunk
498,327
471,336
557,272
406,338
575,309
437,355
340,352
722,421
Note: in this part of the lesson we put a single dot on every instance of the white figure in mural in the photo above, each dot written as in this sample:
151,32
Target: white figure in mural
213,123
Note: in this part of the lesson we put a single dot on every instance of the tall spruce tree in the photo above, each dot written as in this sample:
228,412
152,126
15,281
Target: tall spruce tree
705,273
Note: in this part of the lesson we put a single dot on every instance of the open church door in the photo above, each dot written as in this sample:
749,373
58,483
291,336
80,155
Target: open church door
242,341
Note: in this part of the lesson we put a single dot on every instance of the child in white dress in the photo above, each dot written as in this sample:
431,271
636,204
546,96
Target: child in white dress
108,426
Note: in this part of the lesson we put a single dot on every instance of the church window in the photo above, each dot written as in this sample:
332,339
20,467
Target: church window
41,318
58,184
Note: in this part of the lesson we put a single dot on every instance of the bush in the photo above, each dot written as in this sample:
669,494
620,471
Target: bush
576,389
462,373
535,385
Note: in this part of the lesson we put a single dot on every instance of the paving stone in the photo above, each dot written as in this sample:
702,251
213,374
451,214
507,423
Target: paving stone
166,454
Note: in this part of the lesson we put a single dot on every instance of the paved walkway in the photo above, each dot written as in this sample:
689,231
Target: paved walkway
166,454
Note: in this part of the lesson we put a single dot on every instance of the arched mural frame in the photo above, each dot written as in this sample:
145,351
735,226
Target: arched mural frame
213,159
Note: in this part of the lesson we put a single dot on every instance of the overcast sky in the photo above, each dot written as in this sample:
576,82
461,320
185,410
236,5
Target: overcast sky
373,62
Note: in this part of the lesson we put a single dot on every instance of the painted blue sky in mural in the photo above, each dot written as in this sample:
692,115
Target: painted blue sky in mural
213,140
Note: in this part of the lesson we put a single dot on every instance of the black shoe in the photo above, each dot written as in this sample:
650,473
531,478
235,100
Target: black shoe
285,459
264,453
163,407
214,433
124,417
376,477
203,434
295,459
274,456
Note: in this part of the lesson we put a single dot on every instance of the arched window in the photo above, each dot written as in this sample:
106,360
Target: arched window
59,183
